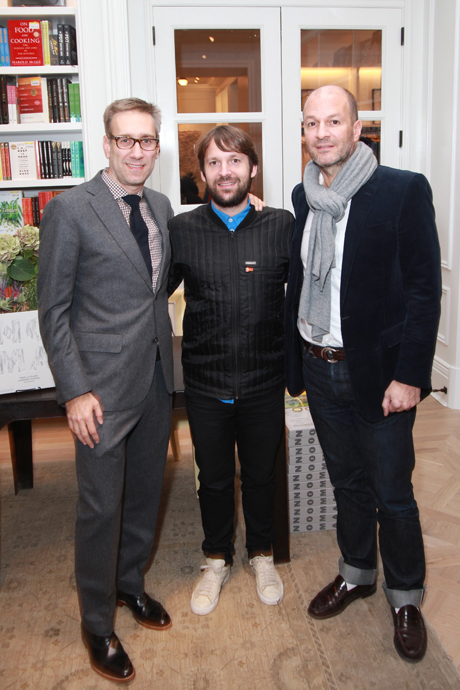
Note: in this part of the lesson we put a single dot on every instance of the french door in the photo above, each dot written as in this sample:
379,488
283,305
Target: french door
253,67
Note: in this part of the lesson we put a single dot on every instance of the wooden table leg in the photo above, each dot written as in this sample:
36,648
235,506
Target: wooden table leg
20,436
281,552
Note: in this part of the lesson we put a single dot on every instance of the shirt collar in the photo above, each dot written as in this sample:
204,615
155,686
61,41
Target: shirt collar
117,190
231,222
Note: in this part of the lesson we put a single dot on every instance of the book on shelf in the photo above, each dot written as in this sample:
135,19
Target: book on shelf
61,49
54,48
3,100
74,102
25,42
13,100
4,48
70,45
46,41
5,158
22,160
11,217
33,100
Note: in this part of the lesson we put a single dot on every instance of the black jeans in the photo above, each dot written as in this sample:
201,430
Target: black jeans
370,466
256,425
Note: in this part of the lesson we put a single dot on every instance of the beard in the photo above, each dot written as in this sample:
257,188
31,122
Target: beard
237,196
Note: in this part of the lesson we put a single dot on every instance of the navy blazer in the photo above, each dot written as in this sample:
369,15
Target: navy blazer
390,288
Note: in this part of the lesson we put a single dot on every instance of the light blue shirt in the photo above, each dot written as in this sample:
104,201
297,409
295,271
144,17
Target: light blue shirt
232,222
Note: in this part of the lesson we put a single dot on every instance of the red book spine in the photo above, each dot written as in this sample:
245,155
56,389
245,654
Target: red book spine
27,214
7,160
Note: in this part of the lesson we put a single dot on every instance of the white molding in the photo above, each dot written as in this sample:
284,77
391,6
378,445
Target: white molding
430,80
116,46
446,309
316,4
454,138
441,377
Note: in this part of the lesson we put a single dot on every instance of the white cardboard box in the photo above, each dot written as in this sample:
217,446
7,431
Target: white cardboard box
23,360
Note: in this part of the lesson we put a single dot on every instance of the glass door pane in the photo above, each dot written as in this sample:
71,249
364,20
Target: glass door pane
218,70
357,49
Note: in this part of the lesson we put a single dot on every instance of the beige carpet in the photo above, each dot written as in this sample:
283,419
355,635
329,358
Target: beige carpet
242,644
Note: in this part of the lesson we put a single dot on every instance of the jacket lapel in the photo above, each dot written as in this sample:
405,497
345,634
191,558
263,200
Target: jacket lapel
108,211
361,207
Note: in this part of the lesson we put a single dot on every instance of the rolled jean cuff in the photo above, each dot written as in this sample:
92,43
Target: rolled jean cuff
356,576
399,597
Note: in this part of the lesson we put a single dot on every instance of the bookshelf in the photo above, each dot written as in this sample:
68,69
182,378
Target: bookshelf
62,131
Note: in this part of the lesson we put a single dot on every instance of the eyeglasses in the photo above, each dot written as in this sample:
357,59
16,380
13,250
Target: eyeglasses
146,144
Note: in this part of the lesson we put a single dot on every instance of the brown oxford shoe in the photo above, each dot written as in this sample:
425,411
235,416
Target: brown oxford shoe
335,598
146,611
107,656
410,633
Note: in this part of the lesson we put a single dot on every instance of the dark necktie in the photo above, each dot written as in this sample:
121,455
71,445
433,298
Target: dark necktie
139,229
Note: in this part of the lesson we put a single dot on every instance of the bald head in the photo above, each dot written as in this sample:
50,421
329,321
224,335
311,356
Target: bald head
339,91
331,129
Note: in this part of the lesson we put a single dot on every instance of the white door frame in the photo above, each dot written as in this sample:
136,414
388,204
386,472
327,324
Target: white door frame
166,20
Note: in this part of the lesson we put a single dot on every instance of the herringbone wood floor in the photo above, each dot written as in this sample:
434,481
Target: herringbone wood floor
437,489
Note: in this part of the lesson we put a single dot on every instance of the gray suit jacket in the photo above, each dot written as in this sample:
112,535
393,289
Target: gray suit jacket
100,321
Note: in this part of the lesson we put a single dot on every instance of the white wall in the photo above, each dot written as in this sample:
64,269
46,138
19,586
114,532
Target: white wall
444,173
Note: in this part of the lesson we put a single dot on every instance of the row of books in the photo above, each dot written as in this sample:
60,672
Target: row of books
31,42
41,160
21,209
26,100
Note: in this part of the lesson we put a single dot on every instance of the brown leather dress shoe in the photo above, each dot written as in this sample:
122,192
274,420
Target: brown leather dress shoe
335,598
146,611
410,633
107,656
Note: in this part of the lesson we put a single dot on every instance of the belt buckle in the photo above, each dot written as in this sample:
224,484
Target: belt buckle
328,353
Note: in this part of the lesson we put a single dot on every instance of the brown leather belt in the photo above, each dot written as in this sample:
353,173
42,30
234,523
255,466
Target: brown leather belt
328,353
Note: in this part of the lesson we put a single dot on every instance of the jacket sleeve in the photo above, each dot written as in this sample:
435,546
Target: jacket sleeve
57,276
420,266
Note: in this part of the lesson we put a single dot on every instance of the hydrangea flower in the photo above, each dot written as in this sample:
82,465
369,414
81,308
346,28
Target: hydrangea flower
10,247
28,237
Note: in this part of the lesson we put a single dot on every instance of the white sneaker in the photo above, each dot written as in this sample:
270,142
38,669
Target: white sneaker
269,585
206,593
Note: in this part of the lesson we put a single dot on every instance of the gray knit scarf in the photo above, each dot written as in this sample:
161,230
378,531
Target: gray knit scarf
329,205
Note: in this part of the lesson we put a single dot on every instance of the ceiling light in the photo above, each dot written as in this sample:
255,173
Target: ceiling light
182,82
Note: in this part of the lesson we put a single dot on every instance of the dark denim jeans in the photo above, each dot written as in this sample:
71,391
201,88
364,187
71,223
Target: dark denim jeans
255,425
370,466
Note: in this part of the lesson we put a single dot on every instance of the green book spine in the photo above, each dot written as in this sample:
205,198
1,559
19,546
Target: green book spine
72,103
81,160
77,101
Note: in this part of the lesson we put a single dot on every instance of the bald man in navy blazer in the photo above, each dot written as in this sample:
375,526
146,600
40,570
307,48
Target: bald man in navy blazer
371,364
103,311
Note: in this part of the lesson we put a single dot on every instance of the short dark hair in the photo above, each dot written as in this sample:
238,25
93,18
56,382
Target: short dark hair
125,104
227,138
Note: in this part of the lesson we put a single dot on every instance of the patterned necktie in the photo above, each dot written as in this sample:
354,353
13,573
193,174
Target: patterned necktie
139,229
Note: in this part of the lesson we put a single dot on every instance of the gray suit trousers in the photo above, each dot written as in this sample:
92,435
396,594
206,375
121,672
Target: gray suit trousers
119,483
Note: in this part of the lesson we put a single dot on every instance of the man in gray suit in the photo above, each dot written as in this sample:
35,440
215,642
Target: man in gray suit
104,258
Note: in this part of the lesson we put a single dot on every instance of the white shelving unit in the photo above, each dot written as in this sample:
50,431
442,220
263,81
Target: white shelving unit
41,131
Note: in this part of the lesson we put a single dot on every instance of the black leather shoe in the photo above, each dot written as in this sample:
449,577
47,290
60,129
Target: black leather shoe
145,610
335,598
410,633
107,656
